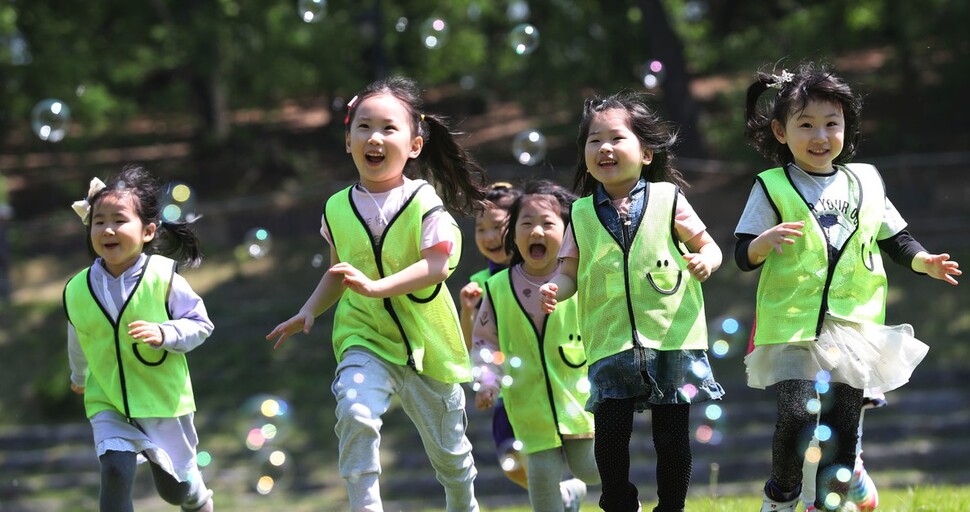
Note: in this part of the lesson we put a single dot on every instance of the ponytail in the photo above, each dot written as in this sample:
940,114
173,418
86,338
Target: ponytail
459,179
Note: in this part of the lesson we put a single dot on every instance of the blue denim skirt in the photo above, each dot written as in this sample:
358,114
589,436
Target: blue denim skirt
653,377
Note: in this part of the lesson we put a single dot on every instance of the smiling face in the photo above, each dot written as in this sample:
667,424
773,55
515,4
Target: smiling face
381,140
814,135
538,234
490,234
117,232
614,155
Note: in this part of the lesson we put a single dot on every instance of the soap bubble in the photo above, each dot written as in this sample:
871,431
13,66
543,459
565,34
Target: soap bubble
50,119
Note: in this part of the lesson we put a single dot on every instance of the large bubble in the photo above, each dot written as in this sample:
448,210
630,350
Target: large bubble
529,147
311,11
524,39
179,203
49,119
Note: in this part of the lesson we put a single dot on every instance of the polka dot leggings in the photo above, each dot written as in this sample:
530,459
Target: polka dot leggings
671,439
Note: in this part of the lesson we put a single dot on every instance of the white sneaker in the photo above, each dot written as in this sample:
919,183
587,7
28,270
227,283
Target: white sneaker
573,493
770,505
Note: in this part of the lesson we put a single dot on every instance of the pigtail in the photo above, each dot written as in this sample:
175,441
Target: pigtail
757,122
458,178
178,241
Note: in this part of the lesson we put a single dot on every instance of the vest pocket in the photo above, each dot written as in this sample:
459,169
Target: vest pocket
665,279
134,347
573,353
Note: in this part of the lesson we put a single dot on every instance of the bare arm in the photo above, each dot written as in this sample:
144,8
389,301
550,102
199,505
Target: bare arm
430,270
937,266
704,257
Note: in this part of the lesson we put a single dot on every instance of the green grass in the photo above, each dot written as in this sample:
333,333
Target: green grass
914,499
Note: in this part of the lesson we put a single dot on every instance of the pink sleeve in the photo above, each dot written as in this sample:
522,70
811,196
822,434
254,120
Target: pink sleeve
569,249
686,221
484,343
437,231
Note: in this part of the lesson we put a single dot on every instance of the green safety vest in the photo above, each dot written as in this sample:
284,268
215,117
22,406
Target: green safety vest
645,296
419,329
798,287
547,394
125,375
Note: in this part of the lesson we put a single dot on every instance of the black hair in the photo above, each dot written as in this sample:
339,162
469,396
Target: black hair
558,196
652,132
457,177
173,239
809,82
501,195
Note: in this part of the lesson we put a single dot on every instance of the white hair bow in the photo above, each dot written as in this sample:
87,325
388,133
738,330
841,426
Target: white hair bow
780,80
83,207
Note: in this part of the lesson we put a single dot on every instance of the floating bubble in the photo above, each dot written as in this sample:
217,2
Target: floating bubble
652,74
311,11
694,10
713,412
265,420
843,474
582,385
524,39
474,11
434,33
813,454
499,357
517,10
699,368
401,24
720,348
50,119
273,471
813,405
515,361
529,147
730,325
510,462
688,392
486,355
832,500
178,203
822,387
467,82
316,261
506,380
203,458
823,376
704,433
823,433
257,242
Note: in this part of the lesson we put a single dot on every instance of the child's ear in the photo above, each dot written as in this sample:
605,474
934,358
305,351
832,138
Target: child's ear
149,233
647,156
779,130
347,142
417,144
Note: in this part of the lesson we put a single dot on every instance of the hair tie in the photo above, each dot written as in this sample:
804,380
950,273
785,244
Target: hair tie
422,118
500,184
83,206
779,81
350,107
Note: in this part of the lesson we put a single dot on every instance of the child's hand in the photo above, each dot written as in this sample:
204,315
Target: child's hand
146,332
698,266
355,279
302,321
469,295
938,266
547,294
774,239
485,397
78,390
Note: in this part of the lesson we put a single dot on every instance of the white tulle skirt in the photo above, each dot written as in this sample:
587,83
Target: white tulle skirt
874,358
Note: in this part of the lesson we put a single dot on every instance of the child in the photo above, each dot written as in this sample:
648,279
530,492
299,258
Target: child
131,320
816,225
538,360
490,227
639,293
396,330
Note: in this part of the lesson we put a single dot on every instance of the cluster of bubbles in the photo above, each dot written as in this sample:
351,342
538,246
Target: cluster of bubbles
265,419
652,74
257,243
434,33
729,337
179,203
49,119
529,147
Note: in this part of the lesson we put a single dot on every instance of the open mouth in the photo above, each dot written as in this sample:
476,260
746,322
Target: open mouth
374,158
537,251
609,162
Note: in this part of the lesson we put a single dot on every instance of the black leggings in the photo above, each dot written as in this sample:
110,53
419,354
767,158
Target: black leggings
118,479
795,425
671,439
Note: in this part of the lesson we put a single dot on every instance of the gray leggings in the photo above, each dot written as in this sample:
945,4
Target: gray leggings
545,470
118,479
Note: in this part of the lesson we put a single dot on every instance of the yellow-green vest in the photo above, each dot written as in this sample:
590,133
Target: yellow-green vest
125,375
797,288
546,397
644,297
480,277
419,329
